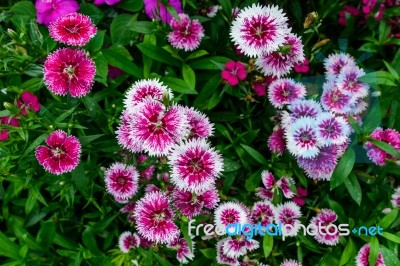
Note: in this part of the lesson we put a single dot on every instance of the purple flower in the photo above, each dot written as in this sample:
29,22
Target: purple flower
108,2
155,9
49,10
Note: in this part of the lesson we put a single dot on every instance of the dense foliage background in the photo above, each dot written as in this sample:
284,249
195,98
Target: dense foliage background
70,219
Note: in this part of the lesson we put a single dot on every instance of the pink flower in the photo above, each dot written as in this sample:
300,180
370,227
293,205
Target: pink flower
290,262
276,142
327,233
121,180
155,218
233,72
259,29
127,241
285,91
49,10
263,212
390,136
190,204
332,129
144,89
148,172
195,166
183,252
231,212
396,198
129,207
299,197
6,120
29,101
73,29
222,258
347,10
279,63
288,213
336,100
108,2
335,62
199,124
305,108
301,67
236,247
69,70
62,155
124,133
155,9
186,34
363,256
158,128
347,80
302,138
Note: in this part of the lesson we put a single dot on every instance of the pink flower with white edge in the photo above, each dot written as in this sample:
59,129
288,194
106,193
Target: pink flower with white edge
336,62
124,133
144,89
195,166
290,262
347,80
121,180
155,219
69,70
158,128
234,72
222,258
332,129
28,101
268,181
304,108
300,195
288,214
183,252
186,34
259,29
279,63
285,91
191,204
336,100
61,155
327,233
127,241
284,184
396,198
73,29
276,142
363,257
302,138
231,212
377,155
263,212
199,124
236,247
129,207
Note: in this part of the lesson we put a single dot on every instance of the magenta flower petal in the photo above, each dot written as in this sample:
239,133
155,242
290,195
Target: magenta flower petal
155,9
49,10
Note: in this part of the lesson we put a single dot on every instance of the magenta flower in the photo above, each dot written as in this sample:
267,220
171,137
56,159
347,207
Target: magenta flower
73,29
108,2
285,91
155,218
335,62
276,142
396,198
233,72
199,124
157,128
279,63
27,101
332,129
302,138
389,136
195,166
290,262
183,252
363,256
155,9
263,212
49,10
124,133
10,121
127,241
288,213
259,29
69,70
336,100
352,11
222,258
231,212
271,185
62,155
191,204
347,80
327,233
121,180
144,89
299,197
186,34
301,67
239,246
305,108
129,207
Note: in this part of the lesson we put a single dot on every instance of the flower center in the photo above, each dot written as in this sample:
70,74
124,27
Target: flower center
57,152
121,180
70,71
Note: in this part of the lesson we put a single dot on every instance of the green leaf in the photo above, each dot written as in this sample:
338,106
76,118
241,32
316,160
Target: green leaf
343,168
46,235
386,147
95,111
374,251
389,256
255,154
81,180
92,11
226,7
120,29
209,63
349,253
353,187
101,69
64,242
4,113
253,181
379,78
202,100
230,165
386,221
65,115
90,242
338,209
178,85
158,54
393,113
391,237
162,261
120,61
268,244
96,43
24,10
373,118
396,61
196,54
32,84
131,5
8,248
209,253
189,76
392,71
87,139
34,144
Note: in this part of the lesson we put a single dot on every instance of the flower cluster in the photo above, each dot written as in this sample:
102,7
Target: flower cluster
377,155
70,70
174,138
